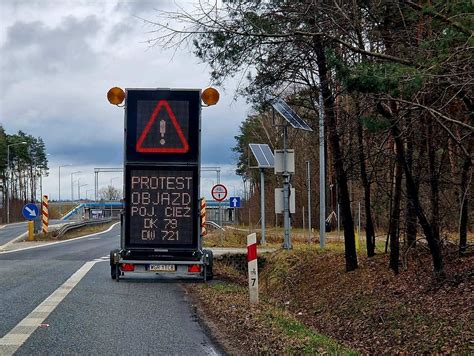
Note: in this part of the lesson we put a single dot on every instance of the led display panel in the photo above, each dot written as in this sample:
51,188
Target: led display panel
162,125
161,206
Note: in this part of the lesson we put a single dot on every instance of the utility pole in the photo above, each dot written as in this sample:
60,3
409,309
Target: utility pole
308,180
322,176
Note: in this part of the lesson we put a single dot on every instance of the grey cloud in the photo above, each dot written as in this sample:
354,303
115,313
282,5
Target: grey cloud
36,48
139,7
96,153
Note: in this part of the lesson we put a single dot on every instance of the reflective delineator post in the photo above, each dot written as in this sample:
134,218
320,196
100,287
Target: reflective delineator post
44,214
252,267
203,217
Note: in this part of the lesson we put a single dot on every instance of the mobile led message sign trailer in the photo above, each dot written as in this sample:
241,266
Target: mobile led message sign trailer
162,156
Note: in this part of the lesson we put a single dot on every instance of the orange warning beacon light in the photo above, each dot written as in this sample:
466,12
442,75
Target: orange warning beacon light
210,96
116,96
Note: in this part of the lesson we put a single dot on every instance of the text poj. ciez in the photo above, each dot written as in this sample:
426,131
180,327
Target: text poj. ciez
161,206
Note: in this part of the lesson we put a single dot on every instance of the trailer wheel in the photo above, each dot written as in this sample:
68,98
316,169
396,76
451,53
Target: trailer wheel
118,272
114,270
208,269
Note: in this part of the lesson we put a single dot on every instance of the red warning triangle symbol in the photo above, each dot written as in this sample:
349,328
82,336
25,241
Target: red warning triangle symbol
185,146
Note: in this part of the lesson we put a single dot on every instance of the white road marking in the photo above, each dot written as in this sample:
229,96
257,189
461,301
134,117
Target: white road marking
17,336
55,243
102,259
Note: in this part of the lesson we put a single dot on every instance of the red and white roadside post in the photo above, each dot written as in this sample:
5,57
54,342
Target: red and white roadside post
252,267
203,217
45,214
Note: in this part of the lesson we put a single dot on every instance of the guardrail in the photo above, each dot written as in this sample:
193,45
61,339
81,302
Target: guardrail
214,225
64,229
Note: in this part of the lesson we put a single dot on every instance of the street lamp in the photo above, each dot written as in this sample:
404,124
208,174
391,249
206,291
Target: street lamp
87,191
59,195
9,176
79,185
112,179
72,185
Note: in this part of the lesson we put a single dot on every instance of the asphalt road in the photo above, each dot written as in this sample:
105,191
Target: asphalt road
60,299
11,231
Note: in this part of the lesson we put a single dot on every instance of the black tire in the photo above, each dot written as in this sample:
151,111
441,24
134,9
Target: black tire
209,271
113,272
113,267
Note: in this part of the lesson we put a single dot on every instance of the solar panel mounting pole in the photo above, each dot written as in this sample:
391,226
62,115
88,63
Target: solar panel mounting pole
308,179
322,176
286,192
262,205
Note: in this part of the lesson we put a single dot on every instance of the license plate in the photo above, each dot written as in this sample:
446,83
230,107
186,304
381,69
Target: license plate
162,268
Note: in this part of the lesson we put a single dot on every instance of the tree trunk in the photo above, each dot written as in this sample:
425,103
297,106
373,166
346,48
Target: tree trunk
465,182
369,226
434,181
395,215
343,191
433,244
464,203
410,229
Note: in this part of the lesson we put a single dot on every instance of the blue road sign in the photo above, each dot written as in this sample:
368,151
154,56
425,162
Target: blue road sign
234,202
30,211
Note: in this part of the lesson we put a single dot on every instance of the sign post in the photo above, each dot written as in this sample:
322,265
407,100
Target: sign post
252,267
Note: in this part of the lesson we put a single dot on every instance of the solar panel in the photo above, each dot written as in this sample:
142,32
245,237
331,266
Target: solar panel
263,154
289,115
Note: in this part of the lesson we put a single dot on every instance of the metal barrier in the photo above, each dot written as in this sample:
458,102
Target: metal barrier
214,225
66,228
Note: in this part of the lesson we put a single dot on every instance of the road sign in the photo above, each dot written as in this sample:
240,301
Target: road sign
168,142
30,211
162,145
161,125
234,202
219,192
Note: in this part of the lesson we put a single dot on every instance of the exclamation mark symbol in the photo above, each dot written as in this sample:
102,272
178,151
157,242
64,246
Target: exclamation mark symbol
162,131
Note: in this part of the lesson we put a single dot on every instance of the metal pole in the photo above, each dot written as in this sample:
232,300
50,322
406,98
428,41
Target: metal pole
59,191
322,176
308,177
286,192
8,184
96,184
303,222
72,188
262,205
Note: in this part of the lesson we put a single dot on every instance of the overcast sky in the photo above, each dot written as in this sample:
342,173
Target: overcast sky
58,60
